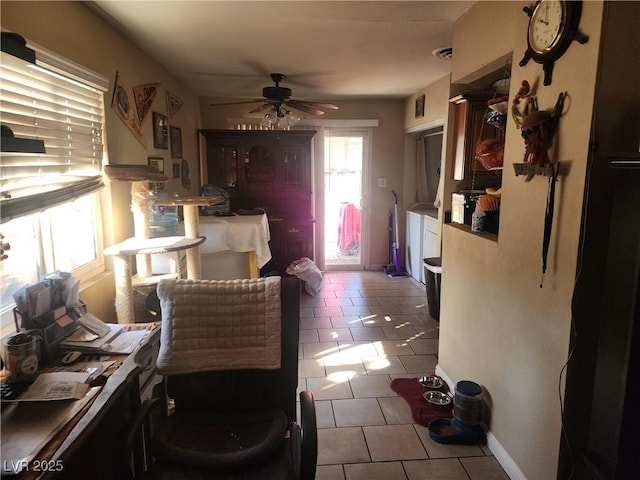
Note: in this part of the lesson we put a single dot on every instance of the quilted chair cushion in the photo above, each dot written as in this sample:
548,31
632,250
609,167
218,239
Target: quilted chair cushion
219,325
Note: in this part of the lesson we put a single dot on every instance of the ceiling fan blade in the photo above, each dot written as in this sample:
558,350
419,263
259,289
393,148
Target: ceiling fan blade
304,108
310,103
262,108
235,103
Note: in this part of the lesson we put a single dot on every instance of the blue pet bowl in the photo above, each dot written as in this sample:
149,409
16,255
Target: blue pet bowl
441,431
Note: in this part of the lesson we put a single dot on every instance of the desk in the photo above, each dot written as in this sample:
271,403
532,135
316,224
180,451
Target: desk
238,233
86,447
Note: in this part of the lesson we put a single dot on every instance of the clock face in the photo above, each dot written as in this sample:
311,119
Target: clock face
546,25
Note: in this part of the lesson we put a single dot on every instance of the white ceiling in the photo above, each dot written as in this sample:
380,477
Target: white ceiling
326,49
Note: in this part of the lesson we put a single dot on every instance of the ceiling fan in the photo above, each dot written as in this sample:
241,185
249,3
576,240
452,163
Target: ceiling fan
279,99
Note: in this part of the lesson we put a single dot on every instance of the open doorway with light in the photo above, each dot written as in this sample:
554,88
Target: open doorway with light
344,161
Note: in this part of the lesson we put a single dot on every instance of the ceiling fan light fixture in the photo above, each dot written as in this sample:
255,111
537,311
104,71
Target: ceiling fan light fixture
279,118
276,98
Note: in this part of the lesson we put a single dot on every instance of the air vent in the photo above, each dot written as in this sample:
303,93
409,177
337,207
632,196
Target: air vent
444,53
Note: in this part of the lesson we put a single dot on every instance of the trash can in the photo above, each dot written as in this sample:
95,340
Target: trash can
433,278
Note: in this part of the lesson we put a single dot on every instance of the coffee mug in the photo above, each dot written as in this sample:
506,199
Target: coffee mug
21,358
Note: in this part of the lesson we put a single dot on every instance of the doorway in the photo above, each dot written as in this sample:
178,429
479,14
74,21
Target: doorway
344,160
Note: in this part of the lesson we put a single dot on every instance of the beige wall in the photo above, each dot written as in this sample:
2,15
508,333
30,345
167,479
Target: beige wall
436,114
72,30
386,157
497,326
484,35
436,105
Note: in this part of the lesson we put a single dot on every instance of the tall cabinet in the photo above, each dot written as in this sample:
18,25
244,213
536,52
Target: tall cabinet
269,170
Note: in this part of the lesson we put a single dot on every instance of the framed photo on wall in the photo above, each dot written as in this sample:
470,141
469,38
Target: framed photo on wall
157,162
176,170
420,106
176,142
160,137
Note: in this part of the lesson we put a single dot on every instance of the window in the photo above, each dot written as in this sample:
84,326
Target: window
65,237
50,169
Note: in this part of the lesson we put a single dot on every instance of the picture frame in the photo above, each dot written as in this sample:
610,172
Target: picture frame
157,162
420,106
160,136
176,142
176,170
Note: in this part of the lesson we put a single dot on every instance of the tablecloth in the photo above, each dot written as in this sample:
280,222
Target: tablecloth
238,233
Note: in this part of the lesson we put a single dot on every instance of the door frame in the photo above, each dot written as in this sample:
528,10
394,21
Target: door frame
355,129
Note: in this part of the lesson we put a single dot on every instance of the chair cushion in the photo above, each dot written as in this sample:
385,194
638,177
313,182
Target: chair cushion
221,441
219,325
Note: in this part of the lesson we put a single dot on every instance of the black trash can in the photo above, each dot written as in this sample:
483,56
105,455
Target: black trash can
433,278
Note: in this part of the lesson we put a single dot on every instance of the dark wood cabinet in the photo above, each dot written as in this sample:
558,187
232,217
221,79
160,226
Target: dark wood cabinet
269,170
469,128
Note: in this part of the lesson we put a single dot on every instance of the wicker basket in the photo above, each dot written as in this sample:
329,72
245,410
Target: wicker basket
490,153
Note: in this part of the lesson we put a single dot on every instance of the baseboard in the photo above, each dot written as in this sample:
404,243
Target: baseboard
502,456
441,373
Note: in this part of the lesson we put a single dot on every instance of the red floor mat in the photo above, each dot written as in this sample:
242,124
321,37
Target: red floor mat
421,411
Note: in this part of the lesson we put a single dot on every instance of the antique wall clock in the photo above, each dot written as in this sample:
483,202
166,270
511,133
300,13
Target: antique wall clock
553,25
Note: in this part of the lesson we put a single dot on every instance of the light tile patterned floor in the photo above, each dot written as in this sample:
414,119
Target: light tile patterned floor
362,330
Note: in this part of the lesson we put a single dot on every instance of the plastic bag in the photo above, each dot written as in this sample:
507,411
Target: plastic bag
307,271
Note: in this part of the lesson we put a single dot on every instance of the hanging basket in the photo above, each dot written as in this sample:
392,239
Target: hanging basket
490,153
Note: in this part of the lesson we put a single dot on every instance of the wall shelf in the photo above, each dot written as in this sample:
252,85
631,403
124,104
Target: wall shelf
530,170
466,228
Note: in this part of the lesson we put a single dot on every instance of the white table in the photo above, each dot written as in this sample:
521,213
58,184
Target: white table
239,233
191,228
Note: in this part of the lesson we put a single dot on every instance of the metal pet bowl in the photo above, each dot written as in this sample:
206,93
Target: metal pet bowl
437,399
431,382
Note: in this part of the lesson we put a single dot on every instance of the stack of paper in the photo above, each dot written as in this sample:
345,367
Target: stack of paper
95,336
56,386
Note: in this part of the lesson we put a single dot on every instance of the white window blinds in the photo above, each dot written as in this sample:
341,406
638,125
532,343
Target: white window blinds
39,104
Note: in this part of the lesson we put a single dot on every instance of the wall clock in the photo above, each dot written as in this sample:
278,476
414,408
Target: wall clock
553,25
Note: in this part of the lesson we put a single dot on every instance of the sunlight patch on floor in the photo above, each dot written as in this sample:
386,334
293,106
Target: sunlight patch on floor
341,376
377,363
328,351
371,319
349,356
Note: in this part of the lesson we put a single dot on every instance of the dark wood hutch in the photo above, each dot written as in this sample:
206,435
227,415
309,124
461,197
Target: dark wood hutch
269,170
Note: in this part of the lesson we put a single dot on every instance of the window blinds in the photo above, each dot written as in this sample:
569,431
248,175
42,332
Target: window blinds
68,115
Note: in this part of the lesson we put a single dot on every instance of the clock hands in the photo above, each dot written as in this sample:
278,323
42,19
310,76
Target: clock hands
545,21
546,14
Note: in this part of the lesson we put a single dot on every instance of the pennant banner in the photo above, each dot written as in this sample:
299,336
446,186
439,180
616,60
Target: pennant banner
144,96
174,104
121,105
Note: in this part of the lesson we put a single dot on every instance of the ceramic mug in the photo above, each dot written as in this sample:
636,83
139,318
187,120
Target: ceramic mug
21,358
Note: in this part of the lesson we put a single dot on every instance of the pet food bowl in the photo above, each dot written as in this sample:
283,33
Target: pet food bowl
431,382
441,431
437,399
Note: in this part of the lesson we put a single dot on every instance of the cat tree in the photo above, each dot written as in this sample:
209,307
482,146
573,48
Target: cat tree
142,246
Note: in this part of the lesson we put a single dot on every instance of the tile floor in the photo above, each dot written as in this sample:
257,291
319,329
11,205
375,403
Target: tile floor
362,330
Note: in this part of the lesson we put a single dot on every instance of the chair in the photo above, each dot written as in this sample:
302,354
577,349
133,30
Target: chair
229,353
